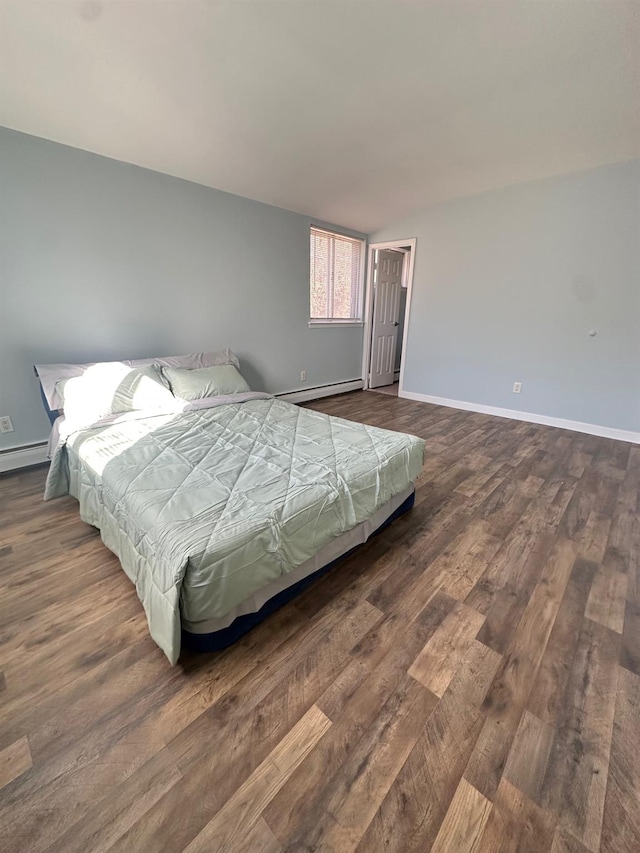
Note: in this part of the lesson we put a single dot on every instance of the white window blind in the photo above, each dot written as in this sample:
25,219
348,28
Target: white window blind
336,277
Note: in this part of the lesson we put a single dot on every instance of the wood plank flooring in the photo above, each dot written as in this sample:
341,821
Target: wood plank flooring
467,681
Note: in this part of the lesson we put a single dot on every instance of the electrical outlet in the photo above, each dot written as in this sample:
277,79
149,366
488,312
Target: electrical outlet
517,387
5,424
303,376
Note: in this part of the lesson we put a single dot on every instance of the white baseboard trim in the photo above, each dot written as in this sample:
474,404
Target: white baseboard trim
304,395
22,457
530,417
396,375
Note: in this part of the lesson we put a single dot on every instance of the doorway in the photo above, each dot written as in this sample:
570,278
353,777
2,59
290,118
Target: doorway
389,281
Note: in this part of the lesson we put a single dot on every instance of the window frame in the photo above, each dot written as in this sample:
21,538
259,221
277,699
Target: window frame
333,322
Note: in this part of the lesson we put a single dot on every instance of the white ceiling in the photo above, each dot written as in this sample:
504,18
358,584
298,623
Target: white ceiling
352,111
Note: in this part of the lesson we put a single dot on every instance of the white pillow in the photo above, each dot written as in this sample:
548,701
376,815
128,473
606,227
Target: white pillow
52,375
114,388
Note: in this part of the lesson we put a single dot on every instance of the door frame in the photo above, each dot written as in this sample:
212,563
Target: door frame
368,306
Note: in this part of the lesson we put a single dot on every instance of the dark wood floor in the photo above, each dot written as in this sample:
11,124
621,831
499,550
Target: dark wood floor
468,681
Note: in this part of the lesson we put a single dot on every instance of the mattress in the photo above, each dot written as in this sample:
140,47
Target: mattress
207,508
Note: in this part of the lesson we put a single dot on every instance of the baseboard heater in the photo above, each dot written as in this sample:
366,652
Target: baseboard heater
23,457
304,395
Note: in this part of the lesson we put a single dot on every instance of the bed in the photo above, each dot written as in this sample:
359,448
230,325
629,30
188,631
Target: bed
221,508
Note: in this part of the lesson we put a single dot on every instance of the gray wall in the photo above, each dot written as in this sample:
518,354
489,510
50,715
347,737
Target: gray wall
102,260
507,286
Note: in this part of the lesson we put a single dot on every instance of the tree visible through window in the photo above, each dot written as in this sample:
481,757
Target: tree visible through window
336,277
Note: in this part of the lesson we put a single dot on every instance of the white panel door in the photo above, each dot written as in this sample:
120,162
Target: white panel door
386,307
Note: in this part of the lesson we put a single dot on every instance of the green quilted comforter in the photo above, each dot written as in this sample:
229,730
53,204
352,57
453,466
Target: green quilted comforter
205,507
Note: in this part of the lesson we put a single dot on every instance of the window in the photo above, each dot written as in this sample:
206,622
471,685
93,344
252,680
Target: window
336,278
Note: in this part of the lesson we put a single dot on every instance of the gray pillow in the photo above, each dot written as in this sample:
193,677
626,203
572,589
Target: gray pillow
205,381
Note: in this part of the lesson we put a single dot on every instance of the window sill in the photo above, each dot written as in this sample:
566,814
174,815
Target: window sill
335,324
